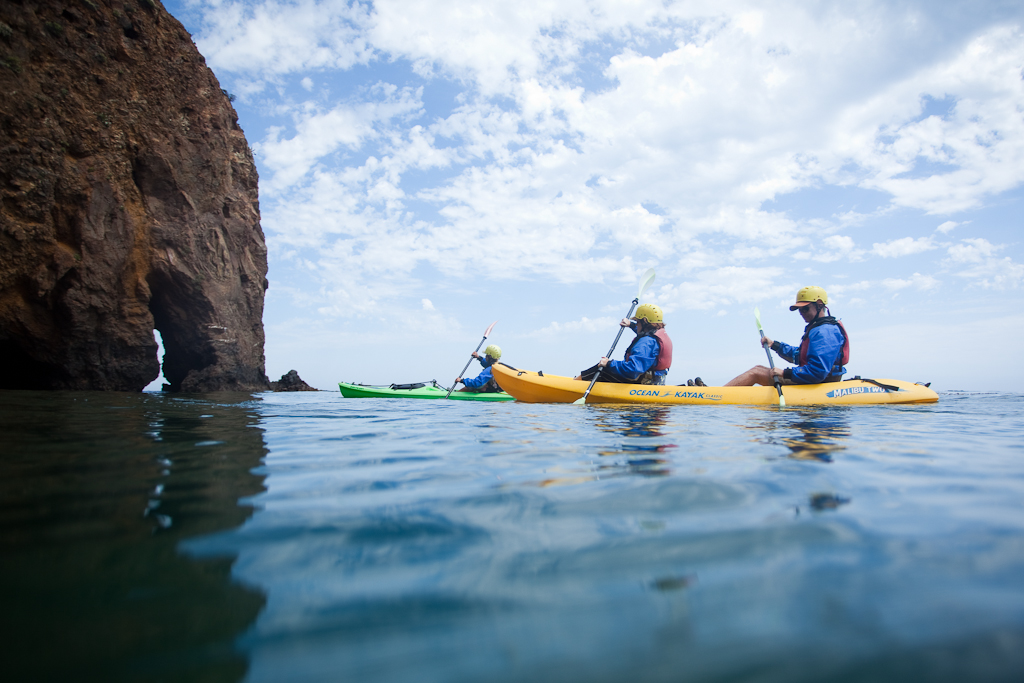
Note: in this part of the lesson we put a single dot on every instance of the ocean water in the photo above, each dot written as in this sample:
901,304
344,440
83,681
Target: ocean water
307,537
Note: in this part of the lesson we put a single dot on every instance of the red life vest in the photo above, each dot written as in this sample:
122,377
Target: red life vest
664,359
665,352
805,343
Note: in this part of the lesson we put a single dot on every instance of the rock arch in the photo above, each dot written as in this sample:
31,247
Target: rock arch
128,202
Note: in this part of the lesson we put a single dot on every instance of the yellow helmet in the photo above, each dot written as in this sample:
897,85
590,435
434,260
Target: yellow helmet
808,295
650,313
493,350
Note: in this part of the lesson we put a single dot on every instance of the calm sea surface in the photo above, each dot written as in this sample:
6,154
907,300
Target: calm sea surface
308,537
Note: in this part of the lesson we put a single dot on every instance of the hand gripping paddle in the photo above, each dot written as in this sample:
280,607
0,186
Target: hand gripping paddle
771,363
645,282
486,335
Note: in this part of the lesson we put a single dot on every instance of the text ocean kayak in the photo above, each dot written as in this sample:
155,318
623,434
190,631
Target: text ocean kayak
423,390
531,387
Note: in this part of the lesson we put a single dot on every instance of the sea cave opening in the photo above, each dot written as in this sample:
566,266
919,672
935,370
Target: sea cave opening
158,383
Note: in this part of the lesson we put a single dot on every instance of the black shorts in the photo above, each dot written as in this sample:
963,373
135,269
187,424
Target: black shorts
607,375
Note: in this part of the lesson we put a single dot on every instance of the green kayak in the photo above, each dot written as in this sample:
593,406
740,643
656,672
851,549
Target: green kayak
419,390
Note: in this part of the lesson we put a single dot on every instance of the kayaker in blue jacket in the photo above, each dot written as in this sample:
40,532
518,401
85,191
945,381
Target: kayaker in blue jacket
821,355
647,359
483,383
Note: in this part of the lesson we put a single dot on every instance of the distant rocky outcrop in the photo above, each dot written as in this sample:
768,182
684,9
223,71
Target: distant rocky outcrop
128,202
290,381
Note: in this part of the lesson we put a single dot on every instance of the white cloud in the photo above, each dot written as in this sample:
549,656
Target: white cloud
838,291
984,268
275,38
584,324
916,281
711,289
428,305
319,134
589,137
977,250
903,246
838,247
945,164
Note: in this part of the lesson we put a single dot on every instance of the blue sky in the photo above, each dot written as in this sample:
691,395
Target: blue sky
429,167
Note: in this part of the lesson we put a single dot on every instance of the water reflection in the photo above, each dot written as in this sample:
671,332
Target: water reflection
640,427
96,493
826,501
647,422
821,432
630,421
674,582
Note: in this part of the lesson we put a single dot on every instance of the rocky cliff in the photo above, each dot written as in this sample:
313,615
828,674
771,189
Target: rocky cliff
128,202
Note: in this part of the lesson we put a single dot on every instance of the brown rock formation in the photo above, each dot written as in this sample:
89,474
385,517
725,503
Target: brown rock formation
290,381
128,202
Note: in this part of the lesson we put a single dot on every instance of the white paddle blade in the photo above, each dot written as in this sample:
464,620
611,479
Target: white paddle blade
646,281
488,332
757,317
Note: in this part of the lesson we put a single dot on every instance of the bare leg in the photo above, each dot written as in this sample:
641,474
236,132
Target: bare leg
759,374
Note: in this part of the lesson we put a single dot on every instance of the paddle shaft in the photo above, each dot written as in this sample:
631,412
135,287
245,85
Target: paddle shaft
771,363
467,366
610,352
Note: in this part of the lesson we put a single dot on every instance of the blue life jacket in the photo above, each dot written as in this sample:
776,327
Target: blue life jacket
641,356
484,377
821,354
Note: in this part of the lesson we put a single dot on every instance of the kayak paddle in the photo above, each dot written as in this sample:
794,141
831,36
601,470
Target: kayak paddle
645,282
486,335
771,363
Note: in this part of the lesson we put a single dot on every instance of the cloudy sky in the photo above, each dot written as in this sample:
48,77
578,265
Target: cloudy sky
428,167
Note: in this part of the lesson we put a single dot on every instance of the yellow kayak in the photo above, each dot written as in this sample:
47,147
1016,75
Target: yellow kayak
532,387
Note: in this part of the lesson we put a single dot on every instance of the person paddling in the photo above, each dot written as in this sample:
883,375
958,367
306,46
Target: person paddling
484,382
823,352
648,358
